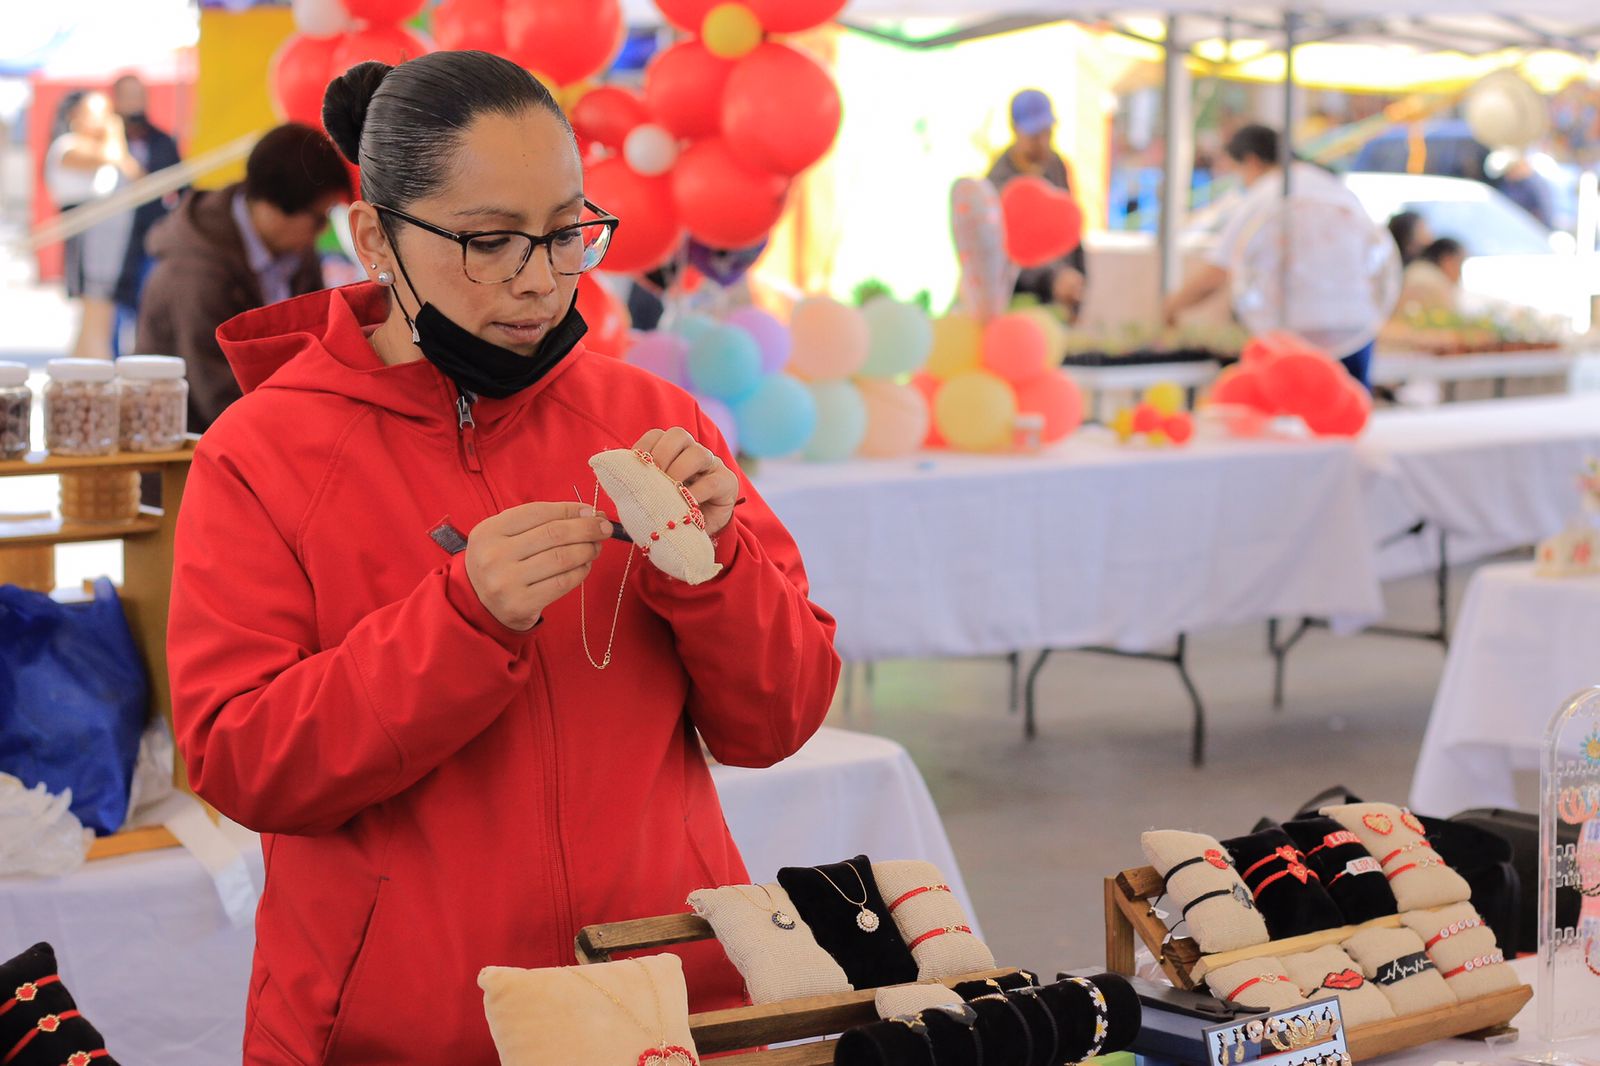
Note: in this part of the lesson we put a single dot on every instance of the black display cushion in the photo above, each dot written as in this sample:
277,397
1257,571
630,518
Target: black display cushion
47,1049
1075,1016
882,1044
1004,1032
1290,906
1008,983
954,1042
1126,1013
1042,1025
869,960
1359,897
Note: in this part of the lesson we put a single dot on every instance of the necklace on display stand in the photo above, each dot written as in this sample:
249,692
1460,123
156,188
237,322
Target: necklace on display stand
866,920
780,917
663,1053
583,603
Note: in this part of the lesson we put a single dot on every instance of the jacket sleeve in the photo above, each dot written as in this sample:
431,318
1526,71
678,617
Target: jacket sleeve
762,668
285,736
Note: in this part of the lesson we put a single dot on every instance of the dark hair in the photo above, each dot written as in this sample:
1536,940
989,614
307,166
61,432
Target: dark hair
1403,228
1442,249
292,167
65,109
400,124
1260,142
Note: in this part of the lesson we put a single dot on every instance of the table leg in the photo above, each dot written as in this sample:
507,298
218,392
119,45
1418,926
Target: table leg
1014,660
1030,718
1280,655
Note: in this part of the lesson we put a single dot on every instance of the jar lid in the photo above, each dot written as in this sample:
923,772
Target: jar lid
81,369
12,375
151,367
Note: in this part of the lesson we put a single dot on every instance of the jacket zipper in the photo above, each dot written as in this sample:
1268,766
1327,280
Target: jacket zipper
469,432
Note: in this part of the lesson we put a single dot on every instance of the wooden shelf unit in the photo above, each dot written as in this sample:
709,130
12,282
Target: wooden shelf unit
146,578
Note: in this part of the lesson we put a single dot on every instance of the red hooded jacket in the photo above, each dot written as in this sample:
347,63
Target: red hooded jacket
439,793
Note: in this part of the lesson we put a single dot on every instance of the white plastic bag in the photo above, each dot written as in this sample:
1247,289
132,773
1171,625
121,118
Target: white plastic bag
39,836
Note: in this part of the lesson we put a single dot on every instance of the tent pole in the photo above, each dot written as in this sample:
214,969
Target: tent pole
1177,131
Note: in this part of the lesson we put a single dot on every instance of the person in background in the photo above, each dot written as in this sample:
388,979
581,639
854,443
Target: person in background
1031,153
1411,235
228,251
155,150
1255,152
1525,188
89,160
1433,280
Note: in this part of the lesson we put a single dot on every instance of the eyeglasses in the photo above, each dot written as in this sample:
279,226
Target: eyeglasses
490,257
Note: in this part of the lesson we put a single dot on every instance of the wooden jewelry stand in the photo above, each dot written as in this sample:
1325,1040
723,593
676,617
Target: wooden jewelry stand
746,1029
1129,912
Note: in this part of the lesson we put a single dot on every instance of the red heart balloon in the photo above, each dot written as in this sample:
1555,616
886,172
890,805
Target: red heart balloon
1242,386
1302,382
1043,223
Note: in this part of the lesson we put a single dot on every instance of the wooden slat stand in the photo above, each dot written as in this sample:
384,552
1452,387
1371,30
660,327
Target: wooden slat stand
147,542
745,1030
1130,914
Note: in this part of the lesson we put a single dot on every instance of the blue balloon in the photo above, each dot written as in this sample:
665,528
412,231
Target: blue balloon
725,364
695,328
777,419
841,421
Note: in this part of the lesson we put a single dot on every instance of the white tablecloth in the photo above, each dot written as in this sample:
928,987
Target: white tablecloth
1523,645
146,949
1088,544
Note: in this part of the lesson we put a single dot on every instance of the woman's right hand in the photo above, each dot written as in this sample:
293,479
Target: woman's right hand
522,560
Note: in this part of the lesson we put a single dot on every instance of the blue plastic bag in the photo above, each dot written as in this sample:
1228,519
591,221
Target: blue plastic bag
74,698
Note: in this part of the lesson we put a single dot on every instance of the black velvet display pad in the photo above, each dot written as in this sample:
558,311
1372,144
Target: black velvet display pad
1124,1011
955,1043
1008,983
1004,1032
1042,1024
1349,873
870,960
31,984
1075,1016
1294,904
883,1044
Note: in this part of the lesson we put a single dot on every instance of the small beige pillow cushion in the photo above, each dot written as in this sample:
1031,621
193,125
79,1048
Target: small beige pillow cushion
1329,970
1226,919
930,920
776,963
895,1000
659,514
1261,983
1394,836
543,1017
1464,950
1396,961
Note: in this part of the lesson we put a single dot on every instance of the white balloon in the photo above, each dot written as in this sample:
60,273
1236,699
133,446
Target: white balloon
320,18
650,150
1504,111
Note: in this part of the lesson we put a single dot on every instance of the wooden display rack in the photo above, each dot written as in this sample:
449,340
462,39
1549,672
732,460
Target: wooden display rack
1130,914
746,1030
147,541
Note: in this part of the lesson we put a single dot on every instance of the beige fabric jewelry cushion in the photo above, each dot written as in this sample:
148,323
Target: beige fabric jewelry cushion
776,963
1471,940
1275,990
1383,829
647,500
950,954
543,1017
1328,969
895,1000
1223,923
1375,949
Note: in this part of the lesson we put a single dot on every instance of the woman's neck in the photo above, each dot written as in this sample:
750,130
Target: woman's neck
392,341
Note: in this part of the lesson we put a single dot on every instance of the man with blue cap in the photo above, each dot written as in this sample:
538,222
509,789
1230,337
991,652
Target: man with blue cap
1033,124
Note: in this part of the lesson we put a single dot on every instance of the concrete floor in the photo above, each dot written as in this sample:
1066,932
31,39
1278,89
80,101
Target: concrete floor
1037,825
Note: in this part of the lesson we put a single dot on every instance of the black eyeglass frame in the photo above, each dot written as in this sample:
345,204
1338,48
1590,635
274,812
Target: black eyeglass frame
466,237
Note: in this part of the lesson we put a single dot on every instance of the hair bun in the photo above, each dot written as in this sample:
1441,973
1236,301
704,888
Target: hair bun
344,105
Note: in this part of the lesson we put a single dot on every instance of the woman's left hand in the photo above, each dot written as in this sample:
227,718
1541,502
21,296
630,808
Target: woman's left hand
714,487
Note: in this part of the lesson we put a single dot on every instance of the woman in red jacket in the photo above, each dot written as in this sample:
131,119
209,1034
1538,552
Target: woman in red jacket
446,772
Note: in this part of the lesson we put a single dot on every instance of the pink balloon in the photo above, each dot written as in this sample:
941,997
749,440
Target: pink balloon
1058,398
830,340
929,386
1016,348
898,418
722,417
664,354
772,336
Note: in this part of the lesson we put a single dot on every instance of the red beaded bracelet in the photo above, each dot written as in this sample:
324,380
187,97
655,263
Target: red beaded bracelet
1266,979
1476,964
931,933
28,992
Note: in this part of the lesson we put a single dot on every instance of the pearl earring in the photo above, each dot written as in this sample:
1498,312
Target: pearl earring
385,278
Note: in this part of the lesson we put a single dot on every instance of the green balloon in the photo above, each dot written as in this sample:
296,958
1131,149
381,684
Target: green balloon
901,338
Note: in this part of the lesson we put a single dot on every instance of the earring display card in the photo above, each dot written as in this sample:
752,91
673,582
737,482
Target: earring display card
1569,955
1308,1035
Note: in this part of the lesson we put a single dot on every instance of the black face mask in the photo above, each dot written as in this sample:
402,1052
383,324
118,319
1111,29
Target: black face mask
482,367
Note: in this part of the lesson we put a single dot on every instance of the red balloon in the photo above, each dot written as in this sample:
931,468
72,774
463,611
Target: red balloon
386,44
792,16
1179,428
1043,223
608,114
1015,348
687,14
780,110
723,202
1058,398
469,24
1301,382
1146,419
683,87
565,40
650,230
382,12
606,317
1345,417
1242,386
929,386
1267,347
300,74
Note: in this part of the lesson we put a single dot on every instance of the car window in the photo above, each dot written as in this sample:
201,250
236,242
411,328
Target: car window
1486,227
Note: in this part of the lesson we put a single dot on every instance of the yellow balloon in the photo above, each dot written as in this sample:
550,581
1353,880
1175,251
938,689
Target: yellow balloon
1122,425
1055,330
957,345
731,31
976,412
1165,396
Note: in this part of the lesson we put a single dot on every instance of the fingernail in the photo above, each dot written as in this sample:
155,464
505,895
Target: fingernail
605,528
586,512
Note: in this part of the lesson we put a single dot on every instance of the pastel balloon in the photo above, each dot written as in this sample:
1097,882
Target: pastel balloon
1165,396
1054,329
957,345
772,336
1058,398
898,419
725,364
831,340
777,419
899,336
1146,419
722,417
1178,428
987,276
650,149
1015,348
841,421
929,386
977,412
663,354
320,18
